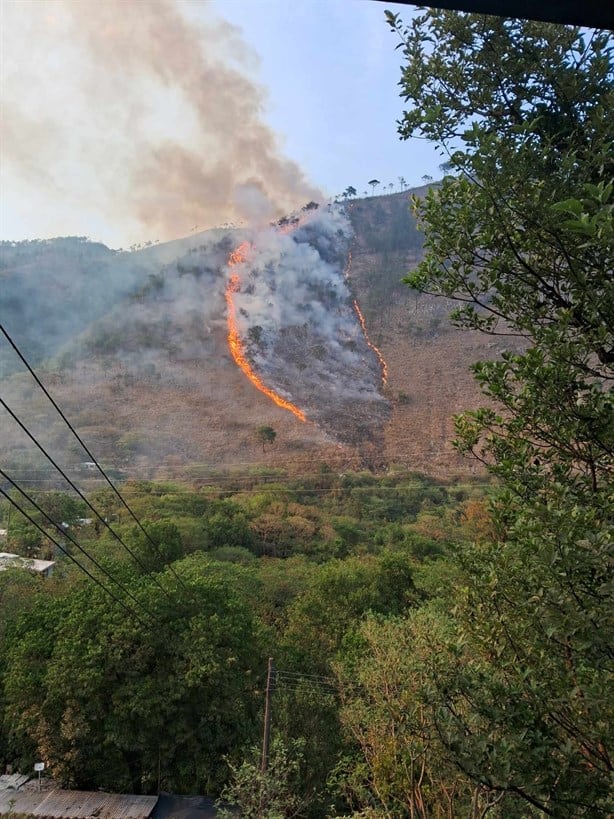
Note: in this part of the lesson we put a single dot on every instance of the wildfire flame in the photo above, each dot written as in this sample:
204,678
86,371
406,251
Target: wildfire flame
235,344
380,357
363,326
348,266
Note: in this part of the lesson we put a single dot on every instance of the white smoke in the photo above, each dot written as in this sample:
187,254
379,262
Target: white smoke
295,314
129,120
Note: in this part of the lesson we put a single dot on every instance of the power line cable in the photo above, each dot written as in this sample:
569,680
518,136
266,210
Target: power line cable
81,495
299,681
69,537
382,493
306,689
86,449
301,675
228,475
71,557
242,484
295,681
304,686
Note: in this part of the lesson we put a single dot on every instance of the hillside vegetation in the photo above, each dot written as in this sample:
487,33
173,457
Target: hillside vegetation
435,648
163,686
133,346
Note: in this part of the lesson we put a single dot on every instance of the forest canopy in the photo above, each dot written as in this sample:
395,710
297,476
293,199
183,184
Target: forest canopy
519,234
441,648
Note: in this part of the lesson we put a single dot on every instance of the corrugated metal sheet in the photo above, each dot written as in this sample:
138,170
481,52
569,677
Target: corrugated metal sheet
12,781
78,805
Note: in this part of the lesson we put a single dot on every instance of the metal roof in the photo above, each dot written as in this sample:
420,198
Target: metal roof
58,804
184,807
12,782
11,561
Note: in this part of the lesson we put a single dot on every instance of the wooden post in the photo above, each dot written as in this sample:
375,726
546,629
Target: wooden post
267,718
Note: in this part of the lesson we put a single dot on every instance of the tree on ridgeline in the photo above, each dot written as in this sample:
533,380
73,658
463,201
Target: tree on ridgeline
520,234
374,183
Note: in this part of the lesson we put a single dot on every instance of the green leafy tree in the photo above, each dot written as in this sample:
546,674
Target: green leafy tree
226,524
61,507
138,705
156,545
24,538
339,594
398,766
269,794
18,593
25,654
520,234
265,435
337,597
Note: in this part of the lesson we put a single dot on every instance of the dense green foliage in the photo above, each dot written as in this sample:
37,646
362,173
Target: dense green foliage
520,234
253,565
441,650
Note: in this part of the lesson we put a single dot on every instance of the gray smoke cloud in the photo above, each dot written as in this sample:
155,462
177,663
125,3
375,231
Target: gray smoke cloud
106,323
138,119
289,281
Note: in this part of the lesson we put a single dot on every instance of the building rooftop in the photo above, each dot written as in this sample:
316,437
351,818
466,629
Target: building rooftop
59,804
11,561
12,782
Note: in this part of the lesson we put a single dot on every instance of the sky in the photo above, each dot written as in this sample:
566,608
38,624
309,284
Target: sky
135,120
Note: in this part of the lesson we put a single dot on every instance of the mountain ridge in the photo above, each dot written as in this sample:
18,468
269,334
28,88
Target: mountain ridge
134,347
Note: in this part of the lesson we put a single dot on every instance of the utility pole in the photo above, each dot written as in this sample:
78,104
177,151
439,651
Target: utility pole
267,716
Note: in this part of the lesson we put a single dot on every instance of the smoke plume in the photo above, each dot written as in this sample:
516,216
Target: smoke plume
137,121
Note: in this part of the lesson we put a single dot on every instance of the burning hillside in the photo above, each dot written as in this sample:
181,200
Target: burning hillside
236,345
135,346
295,331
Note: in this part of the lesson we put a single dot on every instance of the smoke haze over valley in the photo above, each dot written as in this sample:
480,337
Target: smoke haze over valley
147,120
135,347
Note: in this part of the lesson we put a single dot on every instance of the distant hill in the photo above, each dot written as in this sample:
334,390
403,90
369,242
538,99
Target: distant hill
134,347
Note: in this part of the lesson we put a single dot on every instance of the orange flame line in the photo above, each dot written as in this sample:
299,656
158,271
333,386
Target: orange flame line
235,344
370,344
348,266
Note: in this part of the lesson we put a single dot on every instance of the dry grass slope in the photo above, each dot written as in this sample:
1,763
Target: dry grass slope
161,409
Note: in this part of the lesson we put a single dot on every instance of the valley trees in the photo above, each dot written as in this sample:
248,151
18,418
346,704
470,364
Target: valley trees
136,705
170,694
520,235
